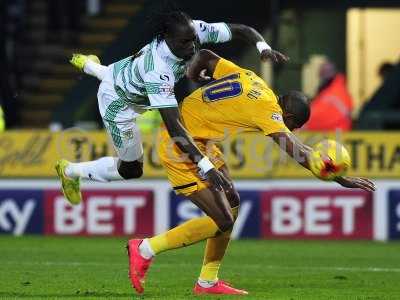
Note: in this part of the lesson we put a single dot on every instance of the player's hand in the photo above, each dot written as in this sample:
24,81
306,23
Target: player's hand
202,77
275,56
218,180
356,182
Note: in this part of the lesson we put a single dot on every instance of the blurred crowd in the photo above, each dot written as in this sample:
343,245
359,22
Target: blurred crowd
63,22
11,25
64,18
383,109
332,106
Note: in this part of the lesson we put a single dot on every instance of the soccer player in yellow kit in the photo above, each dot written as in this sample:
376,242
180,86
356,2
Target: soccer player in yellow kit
236,101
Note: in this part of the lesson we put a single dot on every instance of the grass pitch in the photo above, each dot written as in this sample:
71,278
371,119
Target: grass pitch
96,268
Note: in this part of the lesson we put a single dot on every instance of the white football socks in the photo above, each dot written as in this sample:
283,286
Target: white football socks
145,249
104,169
95,69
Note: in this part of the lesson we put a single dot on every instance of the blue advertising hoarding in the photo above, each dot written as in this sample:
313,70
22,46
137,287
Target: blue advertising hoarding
247,225
394,214
21,211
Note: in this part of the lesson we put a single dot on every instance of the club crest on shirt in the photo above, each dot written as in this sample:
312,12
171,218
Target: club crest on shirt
276,117
128,134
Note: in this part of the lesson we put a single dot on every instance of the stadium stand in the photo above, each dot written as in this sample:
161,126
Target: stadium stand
46,75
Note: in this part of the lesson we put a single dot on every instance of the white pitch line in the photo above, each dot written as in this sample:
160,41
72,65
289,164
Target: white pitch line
346,269
333,268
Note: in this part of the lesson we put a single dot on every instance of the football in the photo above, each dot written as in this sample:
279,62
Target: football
329,160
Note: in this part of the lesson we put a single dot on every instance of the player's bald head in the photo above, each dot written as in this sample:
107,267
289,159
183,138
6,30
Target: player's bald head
296,109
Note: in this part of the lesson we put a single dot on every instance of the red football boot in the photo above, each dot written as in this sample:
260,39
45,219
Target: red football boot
221,287
138,265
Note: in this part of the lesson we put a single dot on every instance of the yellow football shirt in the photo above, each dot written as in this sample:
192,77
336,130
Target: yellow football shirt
237,101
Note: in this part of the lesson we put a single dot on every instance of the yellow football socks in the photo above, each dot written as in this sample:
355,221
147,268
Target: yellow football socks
188,233
214,252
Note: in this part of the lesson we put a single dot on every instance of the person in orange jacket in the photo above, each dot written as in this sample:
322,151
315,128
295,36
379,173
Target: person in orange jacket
332,106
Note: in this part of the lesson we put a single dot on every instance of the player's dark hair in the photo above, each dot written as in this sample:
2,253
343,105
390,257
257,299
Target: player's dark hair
166,18
385,69
297,104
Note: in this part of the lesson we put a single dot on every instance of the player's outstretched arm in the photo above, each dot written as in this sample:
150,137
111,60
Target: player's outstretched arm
289,143
300,152
253,37
356,182
183,140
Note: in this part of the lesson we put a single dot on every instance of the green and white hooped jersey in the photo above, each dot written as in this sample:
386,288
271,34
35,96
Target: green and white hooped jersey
147,81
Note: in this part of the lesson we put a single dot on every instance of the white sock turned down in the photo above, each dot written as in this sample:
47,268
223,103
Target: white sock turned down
104,169
95,69
145,249
206,283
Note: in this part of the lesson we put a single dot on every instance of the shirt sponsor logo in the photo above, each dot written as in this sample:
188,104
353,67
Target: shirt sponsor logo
203,27
276,117
166,89
164,77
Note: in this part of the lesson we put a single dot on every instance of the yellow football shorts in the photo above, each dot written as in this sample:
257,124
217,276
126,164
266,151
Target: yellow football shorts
181,171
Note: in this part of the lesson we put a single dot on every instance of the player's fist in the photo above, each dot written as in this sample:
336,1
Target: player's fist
275,56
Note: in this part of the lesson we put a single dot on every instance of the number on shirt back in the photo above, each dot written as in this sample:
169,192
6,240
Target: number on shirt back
223,88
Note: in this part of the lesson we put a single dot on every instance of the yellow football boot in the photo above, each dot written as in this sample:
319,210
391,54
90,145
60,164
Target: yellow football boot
70,186
79,60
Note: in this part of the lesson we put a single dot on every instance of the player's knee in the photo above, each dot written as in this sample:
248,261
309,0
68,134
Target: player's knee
136,173
233,198
132,174
226,224
130,170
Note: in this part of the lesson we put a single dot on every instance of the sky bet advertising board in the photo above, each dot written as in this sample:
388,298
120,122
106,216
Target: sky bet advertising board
102,212
298,214
269,210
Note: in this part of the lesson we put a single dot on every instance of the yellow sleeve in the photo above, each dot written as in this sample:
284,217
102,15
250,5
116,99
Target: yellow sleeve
225,67
270,119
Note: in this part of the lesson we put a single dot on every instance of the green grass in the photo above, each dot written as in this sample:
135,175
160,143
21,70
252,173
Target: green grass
96,268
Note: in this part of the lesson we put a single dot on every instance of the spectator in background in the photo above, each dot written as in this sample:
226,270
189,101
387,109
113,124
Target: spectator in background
64,20
383,109
332,106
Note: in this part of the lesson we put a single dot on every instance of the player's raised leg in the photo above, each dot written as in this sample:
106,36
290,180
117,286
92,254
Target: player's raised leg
219,219
90,64
104,169
70,186
119,120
